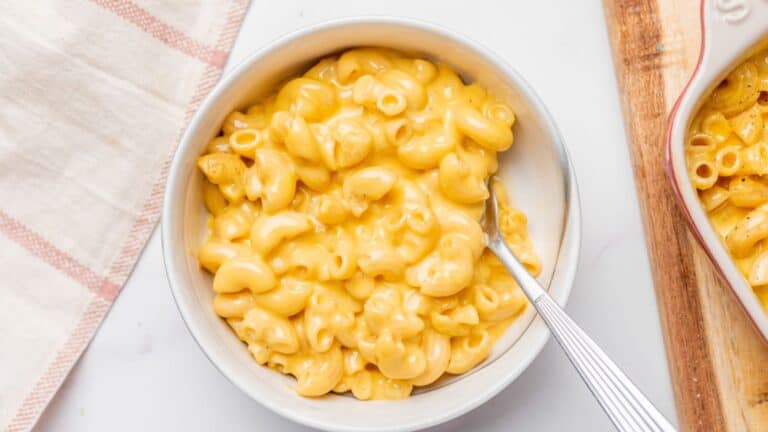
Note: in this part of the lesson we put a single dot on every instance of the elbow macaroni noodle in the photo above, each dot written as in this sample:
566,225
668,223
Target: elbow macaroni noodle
727,158
344,236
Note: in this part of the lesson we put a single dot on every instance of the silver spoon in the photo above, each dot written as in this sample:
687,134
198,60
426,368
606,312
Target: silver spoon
625,404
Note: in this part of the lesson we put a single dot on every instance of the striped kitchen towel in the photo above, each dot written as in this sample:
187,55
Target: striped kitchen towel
95,94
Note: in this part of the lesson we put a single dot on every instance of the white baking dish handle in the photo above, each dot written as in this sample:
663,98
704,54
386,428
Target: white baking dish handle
731,28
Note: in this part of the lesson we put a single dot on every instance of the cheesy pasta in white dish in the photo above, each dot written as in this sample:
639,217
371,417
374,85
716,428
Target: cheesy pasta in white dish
727,156
345,243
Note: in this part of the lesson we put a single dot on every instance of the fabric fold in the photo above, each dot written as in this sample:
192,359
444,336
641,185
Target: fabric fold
95,96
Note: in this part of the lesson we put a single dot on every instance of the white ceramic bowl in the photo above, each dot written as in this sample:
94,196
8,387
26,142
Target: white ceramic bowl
536,170
731,32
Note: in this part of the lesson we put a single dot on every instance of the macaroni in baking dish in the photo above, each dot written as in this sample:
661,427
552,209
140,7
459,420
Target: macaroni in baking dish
344,238
727,157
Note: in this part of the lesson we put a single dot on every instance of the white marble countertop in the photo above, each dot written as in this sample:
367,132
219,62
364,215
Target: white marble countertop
143,371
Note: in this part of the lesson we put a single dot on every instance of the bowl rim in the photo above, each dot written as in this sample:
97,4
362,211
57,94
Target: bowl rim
713,63
571,231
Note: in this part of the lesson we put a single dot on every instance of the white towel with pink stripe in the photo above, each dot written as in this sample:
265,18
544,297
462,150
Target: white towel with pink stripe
95,94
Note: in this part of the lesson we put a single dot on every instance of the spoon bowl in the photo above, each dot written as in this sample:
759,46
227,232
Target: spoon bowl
622,401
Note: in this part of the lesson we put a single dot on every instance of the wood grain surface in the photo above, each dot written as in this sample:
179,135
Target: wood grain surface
718,363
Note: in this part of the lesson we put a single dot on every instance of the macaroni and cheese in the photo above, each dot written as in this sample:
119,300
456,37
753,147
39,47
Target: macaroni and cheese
727,159
345,241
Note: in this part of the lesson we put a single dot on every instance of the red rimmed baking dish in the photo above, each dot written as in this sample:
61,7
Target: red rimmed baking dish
732,30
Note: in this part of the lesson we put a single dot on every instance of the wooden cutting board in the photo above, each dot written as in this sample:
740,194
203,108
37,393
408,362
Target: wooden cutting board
718,362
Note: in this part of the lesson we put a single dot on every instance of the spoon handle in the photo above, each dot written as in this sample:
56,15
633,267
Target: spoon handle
625,404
